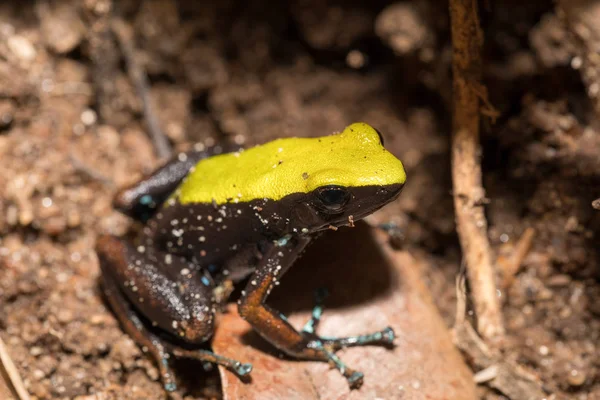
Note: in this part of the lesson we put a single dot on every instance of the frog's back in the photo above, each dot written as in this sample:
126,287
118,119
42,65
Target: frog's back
282,167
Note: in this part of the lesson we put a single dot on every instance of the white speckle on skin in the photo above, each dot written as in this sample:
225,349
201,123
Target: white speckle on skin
202,238
185,271
182,157
141,249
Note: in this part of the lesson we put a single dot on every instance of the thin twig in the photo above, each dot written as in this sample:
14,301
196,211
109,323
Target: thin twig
89,172
105,59
469,195
461,297
11,371
510,265
140,80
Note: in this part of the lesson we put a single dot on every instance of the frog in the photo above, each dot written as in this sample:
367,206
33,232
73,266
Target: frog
214,218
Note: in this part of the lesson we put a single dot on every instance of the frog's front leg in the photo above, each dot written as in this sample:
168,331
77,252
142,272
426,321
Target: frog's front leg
274,327
174,295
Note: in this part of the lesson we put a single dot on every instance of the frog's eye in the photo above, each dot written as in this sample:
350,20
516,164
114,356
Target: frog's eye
333,197
380,136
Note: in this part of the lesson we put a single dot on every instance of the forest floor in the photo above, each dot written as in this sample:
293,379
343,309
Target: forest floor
72,131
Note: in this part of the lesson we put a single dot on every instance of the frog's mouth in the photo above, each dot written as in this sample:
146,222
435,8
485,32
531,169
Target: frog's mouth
365,201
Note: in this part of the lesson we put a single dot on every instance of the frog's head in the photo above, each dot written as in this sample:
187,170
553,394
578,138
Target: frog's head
347,177
309,184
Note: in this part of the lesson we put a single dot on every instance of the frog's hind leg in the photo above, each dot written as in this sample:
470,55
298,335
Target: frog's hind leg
173,294
135,328
142,199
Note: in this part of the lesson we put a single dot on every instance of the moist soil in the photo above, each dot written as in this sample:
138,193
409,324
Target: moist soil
73,130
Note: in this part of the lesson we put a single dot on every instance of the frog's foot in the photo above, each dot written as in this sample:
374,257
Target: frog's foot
327,346
320,296
212,358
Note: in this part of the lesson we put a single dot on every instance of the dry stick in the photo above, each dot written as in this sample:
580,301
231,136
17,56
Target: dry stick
80,166
469,195
12,373
510,265
492,367
140,80
105,62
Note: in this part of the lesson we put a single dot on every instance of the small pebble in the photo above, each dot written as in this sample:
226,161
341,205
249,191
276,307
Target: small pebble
64,316
576,377
21,47
36,351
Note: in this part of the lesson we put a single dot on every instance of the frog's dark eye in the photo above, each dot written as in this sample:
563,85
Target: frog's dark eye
333,197
380,136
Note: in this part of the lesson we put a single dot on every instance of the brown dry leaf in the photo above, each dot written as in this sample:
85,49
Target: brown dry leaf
371,287
271,378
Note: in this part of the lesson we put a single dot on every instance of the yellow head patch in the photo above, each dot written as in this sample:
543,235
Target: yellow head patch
282,167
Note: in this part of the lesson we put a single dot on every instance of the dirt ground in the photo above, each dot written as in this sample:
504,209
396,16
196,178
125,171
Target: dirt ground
72,130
